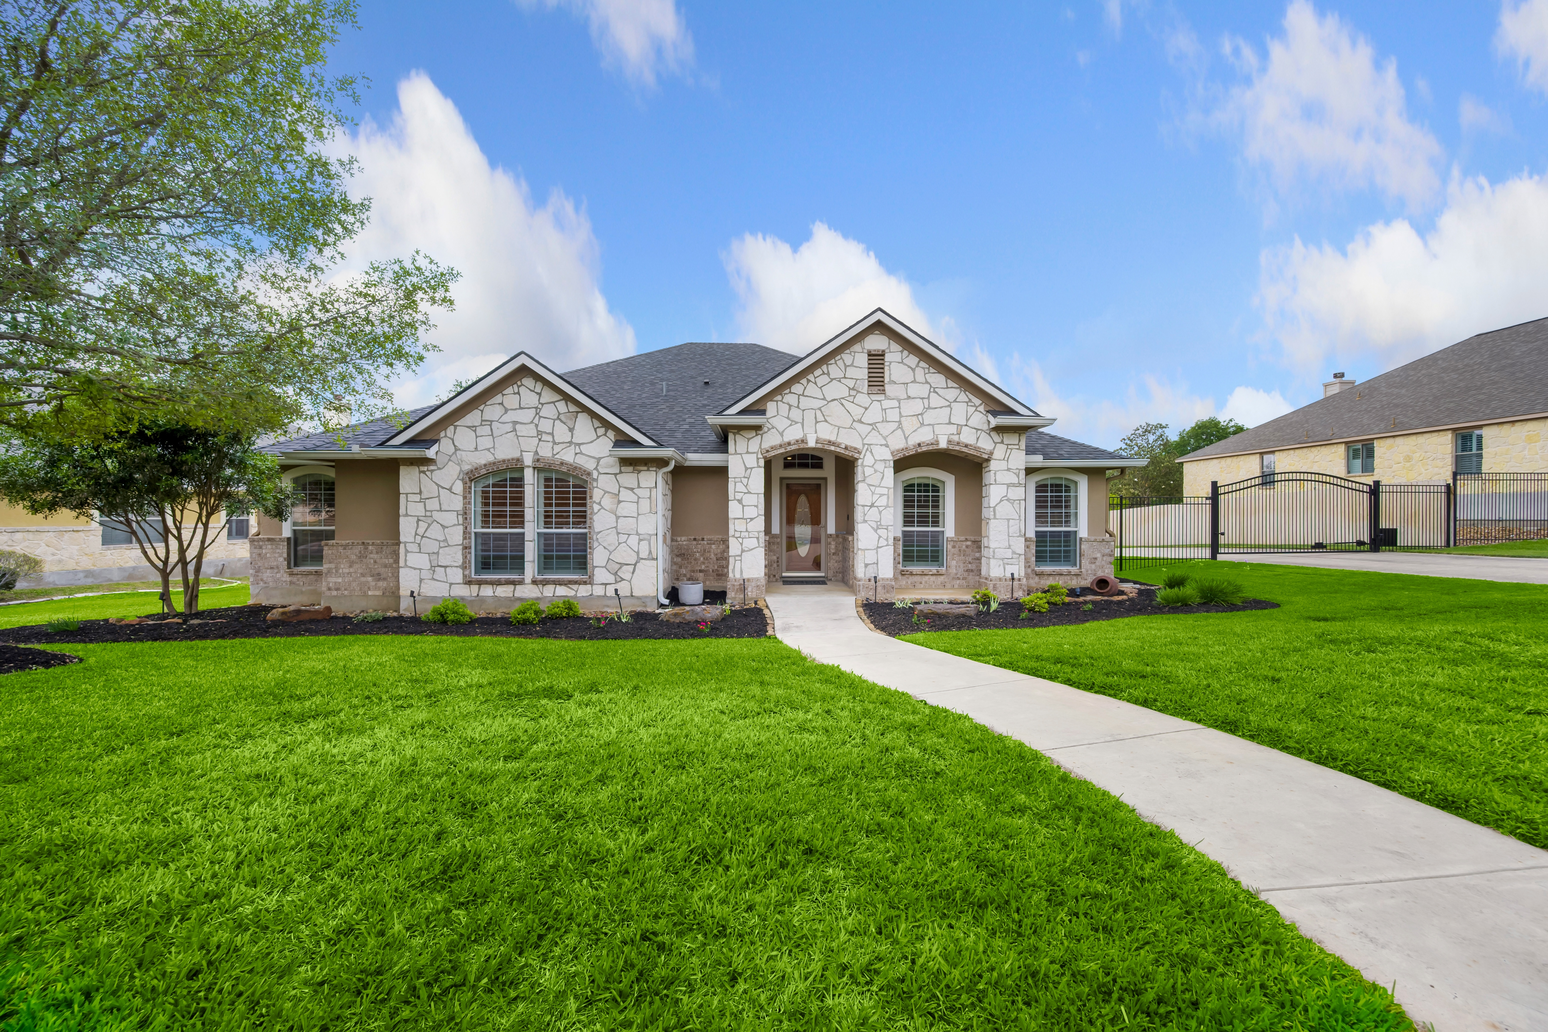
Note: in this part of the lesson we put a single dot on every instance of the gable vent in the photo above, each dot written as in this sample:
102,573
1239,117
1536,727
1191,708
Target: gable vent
876,372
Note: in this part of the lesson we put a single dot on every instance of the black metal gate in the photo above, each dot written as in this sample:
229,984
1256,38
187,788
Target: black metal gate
1283,512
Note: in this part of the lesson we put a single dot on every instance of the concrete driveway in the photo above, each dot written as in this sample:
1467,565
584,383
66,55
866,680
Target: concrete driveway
1425,564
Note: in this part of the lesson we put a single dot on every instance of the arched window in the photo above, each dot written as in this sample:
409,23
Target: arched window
499,524
1056,522
311,519
803,460
924,524
563,510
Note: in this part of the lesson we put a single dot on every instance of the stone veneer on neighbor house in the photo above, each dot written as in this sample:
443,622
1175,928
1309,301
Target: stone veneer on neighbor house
829,407
76,555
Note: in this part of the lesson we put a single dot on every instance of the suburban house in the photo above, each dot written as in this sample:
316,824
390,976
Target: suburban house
1479,406
878,461
81,550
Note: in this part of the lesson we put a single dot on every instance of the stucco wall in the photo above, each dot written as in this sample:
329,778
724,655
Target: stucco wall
366,500
699,502
16,516
1516,446
968,512
526,425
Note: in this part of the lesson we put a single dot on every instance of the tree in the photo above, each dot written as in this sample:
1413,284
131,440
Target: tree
1162,475
171,224
174,481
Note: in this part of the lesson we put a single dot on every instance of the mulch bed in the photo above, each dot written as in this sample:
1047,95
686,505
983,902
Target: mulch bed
890,620
14,659
252,621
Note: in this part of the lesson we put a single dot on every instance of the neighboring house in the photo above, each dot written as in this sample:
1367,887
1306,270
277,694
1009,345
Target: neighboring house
878,461
89,551
1480,406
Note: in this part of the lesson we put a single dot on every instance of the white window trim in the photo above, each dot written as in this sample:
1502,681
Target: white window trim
528,530
1081,516
913,473
289,477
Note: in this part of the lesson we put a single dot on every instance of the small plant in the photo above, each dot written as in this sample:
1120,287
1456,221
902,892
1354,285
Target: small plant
601,621
370,616
16,565
560,608
921,621
1088,607
986,600
1035,603
725,610
1218,591
902,603
1182,595
623,617
704,626
56,626
449,611
1057,594
528,612
1175,578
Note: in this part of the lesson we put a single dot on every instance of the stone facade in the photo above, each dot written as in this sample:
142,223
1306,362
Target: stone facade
528,426
1096,556
703,559
76,555
747,552
1422,456
921,409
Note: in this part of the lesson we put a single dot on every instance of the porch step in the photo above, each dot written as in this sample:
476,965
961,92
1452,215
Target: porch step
803,580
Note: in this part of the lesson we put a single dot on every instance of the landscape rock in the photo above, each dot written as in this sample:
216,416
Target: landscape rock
693,614
125,620
294,613
946,609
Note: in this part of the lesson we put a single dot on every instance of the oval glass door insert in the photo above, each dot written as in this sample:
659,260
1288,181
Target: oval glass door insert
803,527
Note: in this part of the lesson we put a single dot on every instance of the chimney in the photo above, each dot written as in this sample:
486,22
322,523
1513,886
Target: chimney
1338,383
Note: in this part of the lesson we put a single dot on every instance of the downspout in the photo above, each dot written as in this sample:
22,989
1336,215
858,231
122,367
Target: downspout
661,598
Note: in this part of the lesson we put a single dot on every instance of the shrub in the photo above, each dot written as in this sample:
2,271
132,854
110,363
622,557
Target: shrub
370,616
55,626
449,611
560,608
1183,595
1218,591
1057,594
1037,603
986,600
1175,578
16,565
1088,607
526,613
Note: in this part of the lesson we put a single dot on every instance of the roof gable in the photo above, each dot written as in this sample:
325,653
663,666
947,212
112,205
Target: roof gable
498,379
879,318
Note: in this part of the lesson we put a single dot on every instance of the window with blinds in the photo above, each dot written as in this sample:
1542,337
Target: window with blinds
1055,522
876,372
1470,451
563,508
499,524
924,524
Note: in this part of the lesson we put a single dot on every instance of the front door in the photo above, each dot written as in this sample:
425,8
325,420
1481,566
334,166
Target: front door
803,528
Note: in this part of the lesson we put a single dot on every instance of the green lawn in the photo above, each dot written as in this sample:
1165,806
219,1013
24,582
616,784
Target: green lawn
1526,549
434,833
1431,687
56,590
129,603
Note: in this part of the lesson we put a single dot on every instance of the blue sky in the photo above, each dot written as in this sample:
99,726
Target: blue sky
1123,211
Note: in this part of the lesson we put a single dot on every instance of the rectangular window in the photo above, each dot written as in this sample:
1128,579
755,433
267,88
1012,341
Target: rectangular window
876,372
1056,522
1057,548
1266,467
563,507
311,519
1361,458
237,528
1470,451
499,524
924,524
117,533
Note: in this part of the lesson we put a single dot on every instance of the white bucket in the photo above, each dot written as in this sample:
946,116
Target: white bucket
691,593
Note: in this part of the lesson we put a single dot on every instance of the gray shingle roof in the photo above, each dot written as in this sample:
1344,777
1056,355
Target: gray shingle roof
1054,448
1484,378
632,387
366,435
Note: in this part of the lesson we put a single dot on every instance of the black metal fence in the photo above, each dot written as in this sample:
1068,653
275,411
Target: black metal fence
1322,512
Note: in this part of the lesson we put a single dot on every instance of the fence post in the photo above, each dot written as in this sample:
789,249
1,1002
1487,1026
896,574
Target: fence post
1450,514
1214,519
1375,515
1118,567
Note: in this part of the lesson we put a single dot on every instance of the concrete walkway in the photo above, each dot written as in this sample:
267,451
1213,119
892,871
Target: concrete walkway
1456,915
1425,564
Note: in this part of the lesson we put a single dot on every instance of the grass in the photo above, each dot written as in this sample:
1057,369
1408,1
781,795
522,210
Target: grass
100,607
415,833
1433,688
1523,549
58,590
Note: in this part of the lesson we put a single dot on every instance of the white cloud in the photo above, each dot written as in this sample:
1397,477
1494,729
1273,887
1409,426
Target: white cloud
1477,117
1319,109
1250,406
1393,294
1523,35
643,38
529,272
796,299
1112,13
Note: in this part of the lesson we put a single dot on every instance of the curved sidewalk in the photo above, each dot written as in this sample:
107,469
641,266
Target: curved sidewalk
1453,914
